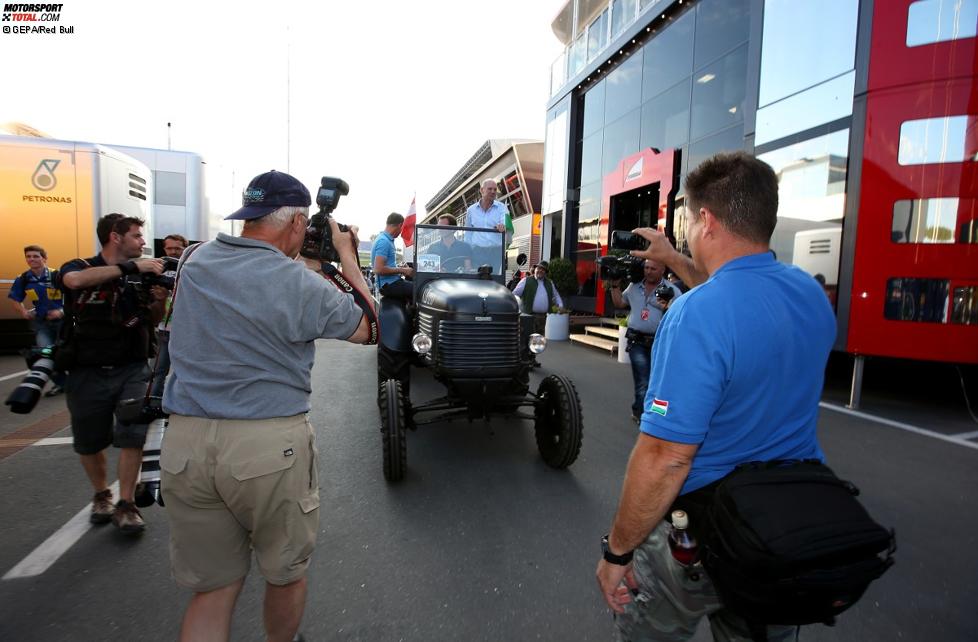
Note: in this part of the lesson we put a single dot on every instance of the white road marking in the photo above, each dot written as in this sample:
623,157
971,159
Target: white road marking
42,557
966,435
954,439
53,441
14,375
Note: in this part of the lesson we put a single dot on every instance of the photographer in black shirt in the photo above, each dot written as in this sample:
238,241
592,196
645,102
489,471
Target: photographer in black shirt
105,342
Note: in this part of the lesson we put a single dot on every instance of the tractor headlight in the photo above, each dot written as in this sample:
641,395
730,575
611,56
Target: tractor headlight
537,343
421,343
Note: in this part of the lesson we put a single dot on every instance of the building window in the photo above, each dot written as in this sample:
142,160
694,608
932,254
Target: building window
555,166
665,118
591,158
668,56
578,56
597,35
170,188
594,109
622,15
624,88
729,140
964,306
930,21
720,26
936,140
718,94
824,103
923,300
589,205
934,220
811,203
621,139
804,44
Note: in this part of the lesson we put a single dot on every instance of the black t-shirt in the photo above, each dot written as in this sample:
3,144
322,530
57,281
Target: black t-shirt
108,324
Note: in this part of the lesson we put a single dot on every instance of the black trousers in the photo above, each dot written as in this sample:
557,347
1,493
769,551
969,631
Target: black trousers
399,289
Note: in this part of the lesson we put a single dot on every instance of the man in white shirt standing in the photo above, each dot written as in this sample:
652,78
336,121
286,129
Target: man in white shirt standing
487,213
538,296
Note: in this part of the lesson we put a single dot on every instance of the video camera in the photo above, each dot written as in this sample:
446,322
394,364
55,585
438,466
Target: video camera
616,268
318,243
621,265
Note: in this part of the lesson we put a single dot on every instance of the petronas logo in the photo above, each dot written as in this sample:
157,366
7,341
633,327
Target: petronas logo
44,178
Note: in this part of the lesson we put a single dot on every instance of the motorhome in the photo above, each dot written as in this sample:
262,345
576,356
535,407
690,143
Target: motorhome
52,193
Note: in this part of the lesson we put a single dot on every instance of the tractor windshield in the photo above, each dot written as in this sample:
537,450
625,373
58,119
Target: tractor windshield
459,250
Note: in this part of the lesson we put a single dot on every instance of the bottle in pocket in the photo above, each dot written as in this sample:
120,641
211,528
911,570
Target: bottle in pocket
681,542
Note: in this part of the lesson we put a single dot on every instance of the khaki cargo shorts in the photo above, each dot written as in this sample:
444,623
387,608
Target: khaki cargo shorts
233,486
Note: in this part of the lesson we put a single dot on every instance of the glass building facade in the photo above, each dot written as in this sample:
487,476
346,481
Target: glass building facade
772,77
865,110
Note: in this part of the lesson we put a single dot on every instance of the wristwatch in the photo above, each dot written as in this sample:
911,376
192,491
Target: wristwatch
621,560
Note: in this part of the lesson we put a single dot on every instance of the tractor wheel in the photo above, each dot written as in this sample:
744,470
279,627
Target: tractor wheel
394,365
558,426
392,429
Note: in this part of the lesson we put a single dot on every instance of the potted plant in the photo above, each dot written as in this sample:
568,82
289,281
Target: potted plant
561,272
558,324
622,341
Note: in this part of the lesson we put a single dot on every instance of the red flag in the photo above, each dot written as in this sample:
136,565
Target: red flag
407,232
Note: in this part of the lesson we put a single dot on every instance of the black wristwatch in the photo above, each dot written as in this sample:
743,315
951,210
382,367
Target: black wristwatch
621,560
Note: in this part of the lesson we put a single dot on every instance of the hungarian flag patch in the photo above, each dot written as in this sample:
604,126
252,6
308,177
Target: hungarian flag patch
659,407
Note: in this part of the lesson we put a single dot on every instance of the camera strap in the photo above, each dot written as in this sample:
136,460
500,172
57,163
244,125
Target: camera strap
360,298
169,313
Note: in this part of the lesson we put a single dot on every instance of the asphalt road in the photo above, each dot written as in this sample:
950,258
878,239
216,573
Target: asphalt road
481,541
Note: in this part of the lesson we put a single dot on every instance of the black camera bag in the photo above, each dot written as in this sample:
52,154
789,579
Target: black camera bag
787,542
639,338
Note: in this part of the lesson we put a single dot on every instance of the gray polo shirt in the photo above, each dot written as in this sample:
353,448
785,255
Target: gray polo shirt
638,302
245,319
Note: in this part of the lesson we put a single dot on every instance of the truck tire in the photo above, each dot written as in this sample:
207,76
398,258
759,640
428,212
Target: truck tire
392,429
558,422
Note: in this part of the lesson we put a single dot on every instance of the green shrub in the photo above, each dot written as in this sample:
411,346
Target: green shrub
564,276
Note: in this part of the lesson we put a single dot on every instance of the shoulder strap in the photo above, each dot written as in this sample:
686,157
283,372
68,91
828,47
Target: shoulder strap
176,280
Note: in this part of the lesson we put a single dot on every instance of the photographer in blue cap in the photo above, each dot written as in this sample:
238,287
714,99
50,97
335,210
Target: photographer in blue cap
239,470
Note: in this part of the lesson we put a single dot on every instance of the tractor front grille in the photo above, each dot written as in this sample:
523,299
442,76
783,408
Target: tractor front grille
478,344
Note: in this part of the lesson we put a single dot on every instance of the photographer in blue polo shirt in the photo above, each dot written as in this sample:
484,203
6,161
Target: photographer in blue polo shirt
737,373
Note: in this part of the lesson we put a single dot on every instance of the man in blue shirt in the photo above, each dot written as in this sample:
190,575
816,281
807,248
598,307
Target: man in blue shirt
487,213
737,373
384,261
39,286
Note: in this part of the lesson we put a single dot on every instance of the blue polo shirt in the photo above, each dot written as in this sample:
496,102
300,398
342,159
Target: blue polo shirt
738,366
39,290
384,246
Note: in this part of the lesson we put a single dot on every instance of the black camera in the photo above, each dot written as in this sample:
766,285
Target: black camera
142,410
665,292
318,243
166,279
622,240
24,397
616,268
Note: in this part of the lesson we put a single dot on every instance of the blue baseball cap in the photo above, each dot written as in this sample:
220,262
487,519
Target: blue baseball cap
269,191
